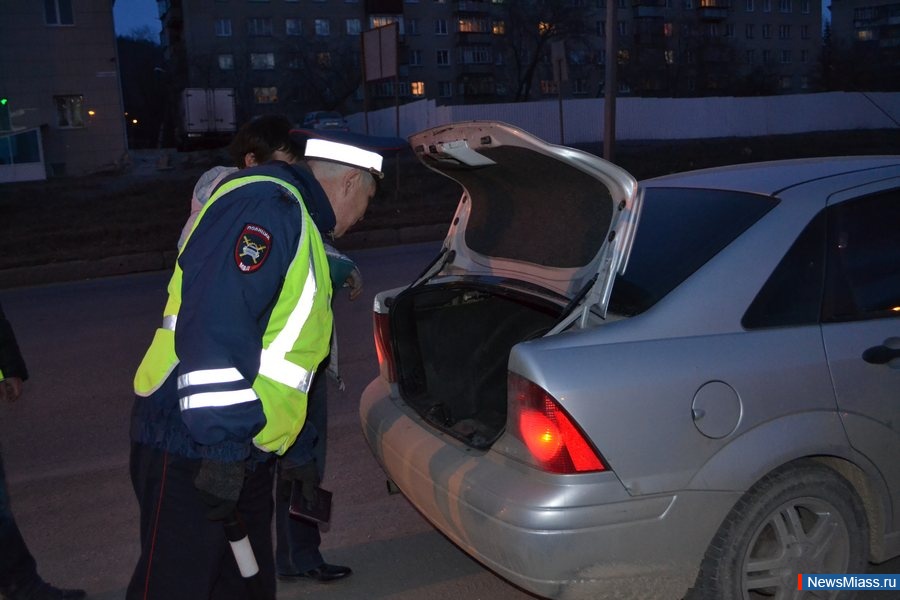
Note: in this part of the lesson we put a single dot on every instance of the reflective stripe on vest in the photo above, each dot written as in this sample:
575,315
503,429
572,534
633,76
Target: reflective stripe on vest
169,322
208,376
211,399
273,363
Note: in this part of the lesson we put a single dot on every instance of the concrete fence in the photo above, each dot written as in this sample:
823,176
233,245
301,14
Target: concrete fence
655,118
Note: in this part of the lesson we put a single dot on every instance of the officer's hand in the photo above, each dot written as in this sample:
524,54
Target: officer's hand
308,476
219,485
355,283
10,389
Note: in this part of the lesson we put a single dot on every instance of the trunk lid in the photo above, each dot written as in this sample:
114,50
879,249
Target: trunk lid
550,215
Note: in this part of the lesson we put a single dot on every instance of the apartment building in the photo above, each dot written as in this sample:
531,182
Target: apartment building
292,56
59,76
867,32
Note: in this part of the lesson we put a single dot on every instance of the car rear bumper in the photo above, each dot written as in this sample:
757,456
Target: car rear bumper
575,536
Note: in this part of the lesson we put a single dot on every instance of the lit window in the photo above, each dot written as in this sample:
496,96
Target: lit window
498,28
417,88
376,21
265,95
58,12
69,111
471,25
670,57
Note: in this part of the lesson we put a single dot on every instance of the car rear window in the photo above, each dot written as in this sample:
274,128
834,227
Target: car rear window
679,230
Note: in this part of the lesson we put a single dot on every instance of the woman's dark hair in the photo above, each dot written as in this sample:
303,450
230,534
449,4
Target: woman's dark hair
263,136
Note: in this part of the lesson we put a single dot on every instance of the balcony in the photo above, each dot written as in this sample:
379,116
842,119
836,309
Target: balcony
472,7
714,10
474,37
646,39
648,9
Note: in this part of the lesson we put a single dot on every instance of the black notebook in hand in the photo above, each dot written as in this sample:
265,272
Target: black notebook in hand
318,510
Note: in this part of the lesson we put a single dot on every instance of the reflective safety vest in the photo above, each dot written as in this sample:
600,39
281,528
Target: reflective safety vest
295,340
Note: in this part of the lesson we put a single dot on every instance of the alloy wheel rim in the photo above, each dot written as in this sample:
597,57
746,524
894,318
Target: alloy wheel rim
802,535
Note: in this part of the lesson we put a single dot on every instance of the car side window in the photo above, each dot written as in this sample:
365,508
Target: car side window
863,261
793,293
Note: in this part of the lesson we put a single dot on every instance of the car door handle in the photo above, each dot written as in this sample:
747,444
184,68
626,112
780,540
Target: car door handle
879,355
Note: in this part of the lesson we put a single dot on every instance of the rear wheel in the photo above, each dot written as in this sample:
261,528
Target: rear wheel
804,518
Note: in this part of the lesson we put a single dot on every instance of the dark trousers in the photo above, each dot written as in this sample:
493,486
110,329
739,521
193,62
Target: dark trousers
17,566
297,549
184,555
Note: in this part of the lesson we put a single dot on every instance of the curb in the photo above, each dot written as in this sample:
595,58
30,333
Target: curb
78,270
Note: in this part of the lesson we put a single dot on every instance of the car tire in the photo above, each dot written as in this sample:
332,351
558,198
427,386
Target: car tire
802,518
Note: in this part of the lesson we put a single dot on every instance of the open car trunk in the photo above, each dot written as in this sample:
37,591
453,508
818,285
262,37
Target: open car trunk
452,344
540,230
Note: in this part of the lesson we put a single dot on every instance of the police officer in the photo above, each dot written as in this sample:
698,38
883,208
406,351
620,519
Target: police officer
223,387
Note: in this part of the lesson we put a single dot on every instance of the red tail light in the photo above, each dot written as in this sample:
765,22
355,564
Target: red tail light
386,364
554,440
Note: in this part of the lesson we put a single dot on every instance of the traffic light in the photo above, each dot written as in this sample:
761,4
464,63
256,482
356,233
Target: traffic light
4,114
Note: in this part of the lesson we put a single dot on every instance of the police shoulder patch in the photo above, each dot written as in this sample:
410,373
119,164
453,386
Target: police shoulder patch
252,248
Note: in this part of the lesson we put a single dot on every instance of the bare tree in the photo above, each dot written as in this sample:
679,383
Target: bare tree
531,25
319,75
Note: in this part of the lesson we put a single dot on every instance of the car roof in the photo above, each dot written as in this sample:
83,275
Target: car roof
772,177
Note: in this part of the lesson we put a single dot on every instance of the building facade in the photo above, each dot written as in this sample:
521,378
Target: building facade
293,56
866,37
59,74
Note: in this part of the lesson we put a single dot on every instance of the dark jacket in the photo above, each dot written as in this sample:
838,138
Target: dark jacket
11,362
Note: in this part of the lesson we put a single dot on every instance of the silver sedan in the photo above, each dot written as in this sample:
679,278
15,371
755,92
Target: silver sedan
684,387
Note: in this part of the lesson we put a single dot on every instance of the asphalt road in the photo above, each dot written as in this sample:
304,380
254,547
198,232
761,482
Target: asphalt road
65,447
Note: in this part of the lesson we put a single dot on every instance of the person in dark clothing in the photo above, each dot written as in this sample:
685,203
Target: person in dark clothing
19,579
